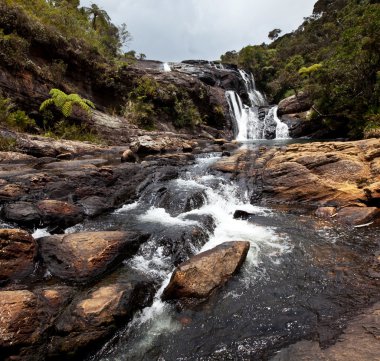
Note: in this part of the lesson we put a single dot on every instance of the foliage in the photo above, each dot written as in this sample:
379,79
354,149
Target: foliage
333,56
65,130
15,119
65,103
59,19
274,34
187,113
7,144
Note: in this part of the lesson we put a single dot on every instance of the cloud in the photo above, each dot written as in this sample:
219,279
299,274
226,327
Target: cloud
174,30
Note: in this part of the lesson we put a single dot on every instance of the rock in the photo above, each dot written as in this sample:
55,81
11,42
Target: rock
81,257
320,174
357,215
94,206
58,214
147,144
201,274
19,321
23,213
226,154
239,214
96,313
17,253
128,156
65,156
325,212
220,141
294,104
11,192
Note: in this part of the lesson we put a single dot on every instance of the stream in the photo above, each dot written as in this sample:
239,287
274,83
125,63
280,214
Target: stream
303,279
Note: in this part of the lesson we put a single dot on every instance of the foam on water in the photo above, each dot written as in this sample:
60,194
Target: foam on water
41,232
159,215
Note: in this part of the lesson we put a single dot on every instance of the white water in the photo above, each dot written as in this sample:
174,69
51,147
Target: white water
167,67
223,199
247,118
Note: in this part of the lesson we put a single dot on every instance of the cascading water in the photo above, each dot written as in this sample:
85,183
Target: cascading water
250,123
166,67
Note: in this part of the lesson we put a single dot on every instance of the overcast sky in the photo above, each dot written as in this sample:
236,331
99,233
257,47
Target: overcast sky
174,30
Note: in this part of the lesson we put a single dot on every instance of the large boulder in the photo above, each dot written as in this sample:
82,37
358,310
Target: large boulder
333,174
201,274
96,313
17,253
23,213
80,257
294,104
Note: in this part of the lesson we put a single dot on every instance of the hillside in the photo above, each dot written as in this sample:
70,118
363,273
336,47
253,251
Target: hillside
333,57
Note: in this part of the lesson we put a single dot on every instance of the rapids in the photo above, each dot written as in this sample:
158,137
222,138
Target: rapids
302,278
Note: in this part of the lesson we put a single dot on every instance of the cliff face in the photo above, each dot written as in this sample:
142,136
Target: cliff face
34,60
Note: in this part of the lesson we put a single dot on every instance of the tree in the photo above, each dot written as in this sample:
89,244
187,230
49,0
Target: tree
273,35
98,16
65,103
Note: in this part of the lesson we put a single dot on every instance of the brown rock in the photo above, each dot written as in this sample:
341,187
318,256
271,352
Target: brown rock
59,214
18,318
325,212
357,215
11,192
94,314
17,252
203,273
128,156
82,256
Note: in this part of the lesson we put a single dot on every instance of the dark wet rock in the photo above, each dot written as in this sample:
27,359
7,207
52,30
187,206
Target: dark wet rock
359,342
94,206
180,243
65,156
357,215
81,257
294,104
270,128
97,313
18,250
239,214
128,156
220,141
325,212
23,213
58,214
201,274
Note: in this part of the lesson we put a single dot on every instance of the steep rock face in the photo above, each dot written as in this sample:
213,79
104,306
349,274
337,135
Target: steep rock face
17,253
201,274
322,174
83,256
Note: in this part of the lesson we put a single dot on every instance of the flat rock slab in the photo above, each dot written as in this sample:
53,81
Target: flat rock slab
81,257
17,252
201,274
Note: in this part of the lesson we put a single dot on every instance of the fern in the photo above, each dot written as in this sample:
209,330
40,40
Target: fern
65,102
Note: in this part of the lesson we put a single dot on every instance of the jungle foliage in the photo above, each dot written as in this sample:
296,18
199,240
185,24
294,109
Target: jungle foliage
334,56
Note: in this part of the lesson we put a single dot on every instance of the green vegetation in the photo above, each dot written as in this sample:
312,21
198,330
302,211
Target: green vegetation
7,144
14,119
65,130
47,20
333,56
65,103
150,101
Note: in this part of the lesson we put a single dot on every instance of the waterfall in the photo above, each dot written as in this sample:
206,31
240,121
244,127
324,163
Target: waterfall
251,121
166,67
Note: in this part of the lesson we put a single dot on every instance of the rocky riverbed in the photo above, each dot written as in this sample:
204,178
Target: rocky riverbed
69,280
